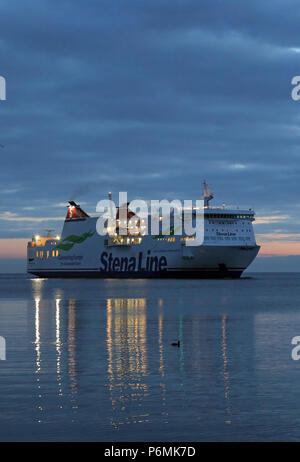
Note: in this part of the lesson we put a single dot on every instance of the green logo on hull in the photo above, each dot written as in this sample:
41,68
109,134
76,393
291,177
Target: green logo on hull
69,241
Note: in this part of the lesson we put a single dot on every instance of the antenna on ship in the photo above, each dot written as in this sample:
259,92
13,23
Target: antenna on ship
207,194
110,206
49,231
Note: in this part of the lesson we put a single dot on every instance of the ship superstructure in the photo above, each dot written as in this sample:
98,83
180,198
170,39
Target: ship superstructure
228,248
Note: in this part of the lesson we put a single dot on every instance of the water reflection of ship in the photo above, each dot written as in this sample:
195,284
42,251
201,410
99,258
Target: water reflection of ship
50,325
127,359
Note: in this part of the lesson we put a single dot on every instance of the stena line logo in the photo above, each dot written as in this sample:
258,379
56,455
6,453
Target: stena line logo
140,263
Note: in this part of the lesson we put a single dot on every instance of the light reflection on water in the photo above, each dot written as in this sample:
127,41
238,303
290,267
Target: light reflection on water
127,356
92,360
43,347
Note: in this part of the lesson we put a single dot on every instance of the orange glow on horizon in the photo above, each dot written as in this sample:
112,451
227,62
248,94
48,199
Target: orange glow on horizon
13,248
272,245
279,249
278,244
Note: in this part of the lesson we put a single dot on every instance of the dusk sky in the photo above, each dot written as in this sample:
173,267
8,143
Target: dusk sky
150,97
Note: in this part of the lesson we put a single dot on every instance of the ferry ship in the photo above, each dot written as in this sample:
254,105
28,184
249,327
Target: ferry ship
227,249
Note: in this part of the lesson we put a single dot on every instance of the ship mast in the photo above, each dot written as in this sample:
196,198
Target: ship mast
207,194
110,210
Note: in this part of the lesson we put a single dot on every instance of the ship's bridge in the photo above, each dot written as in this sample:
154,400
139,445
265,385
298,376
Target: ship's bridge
41,241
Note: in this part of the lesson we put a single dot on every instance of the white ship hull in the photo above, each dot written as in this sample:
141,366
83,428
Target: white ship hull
81,252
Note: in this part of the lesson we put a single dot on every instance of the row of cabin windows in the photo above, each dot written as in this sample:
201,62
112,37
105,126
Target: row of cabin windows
226,238
168,239
188,238
48,253
173,239
242,217
225,222
237,230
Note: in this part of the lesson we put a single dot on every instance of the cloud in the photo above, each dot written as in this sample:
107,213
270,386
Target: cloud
8,216
278,237
271,219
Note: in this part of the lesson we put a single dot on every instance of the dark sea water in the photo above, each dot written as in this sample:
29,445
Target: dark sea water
93,360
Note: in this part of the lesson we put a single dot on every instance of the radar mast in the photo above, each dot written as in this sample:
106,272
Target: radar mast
207,194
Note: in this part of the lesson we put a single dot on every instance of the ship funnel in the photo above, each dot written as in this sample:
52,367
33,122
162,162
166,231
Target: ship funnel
75,212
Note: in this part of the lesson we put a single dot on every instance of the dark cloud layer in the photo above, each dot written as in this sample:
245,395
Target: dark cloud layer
149,97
